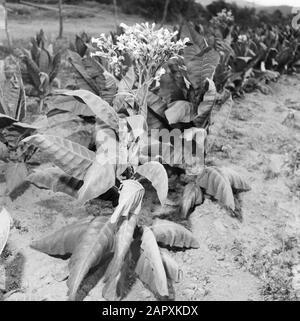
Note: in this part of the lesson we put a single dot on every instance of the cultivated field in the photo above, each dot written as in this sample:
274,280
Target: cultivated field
235,207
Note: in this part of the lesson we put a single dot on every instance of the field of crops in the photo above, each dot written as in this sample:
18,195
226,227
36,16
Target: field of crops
149,162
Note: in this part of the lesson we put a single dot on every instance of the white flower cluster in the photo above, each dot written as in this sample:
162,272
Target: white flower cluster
147,46
242,38
143,41
107,49
223,18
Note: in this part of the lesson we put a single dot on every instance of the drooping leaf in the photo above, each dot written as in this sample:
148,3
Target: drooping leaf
97,241
169,89
5,220
15,175
216,184
137,124
206,106
99,178
33,71
56,180
84,80
149,268
64,241
192,196
82,137
55,67
106,142
73,158
171,267
171,234
44,61
80,46
68,104
238,184
130,199
156,114
118,287
67,125
123,241
201,67
179,111
12,93
157,175
97,105
196,37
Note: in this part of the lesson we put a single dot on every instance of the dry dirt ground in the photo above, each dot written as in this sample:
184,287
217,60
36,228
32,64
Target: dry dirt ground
256,259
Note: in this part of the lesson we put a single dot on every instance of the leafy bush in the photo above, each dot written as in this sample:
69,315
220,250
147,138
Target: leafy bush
39,66
12,129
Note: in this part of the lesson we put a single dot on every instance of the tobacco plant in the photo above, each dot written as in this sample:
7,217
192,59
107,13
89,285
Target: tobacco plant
12,129
39,67
91,174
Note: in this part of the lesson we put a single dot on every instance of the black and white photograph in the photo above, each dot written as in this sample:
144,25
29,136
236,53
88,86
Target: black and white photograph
149,152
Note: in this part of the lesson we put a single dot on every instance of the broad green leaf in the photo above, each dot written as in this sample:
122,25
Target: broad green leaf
64,241
196,37
97,241
171,267
84,80
5,220
171,234
169,90
156,111
123,241
180,111
73,158
216,184
157,175
71,127
99,178
130,199
33,72
44,61
192,196
137,124
80,46
238,184
15,175
149,268
82,137
12,93
202,67
69,104
56,180
206,106
97,105
55,67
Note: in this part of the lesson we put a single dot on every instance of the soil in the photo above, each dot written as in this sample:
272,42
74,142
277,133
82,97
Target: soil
256,259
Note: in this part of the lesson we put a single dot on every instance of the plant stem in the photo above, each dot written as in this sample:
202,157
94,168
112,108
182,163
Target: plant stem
60,19
116,13
6,27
